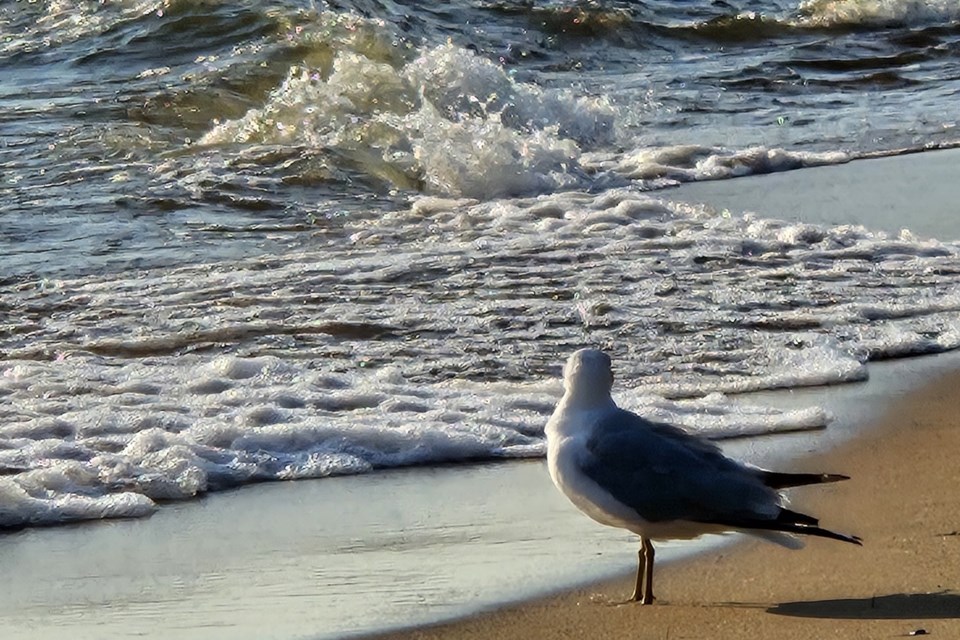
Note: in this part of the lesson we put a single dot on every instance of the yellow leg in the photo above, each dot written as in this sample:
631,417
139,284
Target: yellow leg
638,589
647,547
643,591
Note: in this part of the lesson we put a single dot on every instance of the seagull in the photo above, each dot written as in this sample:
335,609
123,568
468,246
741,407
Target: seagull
658,481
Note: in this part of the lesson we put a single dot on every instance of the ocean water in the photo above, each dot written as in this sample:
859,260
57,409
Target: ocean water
243,242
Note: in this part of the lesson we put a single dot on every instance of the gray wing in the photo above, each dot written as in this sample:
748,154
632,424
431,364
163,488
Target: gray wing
665,474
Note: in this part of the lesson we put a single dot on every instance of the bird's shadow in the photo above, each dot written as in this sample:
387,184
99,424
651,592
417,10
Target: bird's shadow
897,606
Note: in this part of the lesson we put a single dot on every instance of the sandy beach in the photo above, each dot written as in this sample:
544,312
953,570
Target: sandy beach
902,500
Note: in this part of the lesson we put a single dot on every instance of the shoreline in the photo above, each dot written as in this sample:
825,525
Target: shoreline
900,500
881,193
356,555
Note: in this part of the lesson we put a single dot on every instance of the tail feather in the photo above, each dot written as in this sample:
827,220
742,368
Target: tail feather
788,521
786,516
778,480
820,532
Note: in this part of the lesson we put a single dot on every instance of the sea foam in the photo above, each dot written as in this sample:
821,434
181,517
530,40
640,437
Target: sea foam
106,457
121,392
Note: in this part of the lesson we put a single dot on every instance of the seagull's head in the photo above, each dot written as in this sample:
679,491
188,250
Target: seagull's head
588,375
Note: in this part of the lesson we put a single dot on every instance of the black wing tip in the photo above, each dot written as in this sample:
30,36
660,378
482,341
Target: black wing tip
796,522
833,477
779,480
842,537
786,516
824,533
788,521
820,532
833,535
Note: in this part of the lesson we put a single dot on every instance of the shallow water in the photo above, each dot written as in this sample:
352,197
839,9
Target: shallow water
245,243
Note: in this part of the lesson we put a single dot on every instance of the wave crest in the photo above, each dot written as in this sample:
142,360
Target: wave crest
447,121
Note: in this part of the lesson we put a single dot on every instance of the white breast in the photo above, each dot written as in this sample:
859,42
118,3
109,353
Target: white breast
563,456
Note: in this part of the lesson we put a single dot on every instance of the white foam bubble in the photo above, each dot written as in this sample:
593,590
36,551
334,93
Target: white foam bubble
18,508
715,417
108,459
657,166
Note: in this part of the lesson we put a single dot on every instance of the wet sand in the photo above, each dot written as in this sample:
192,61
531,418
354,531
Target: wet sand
917,192
902,499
